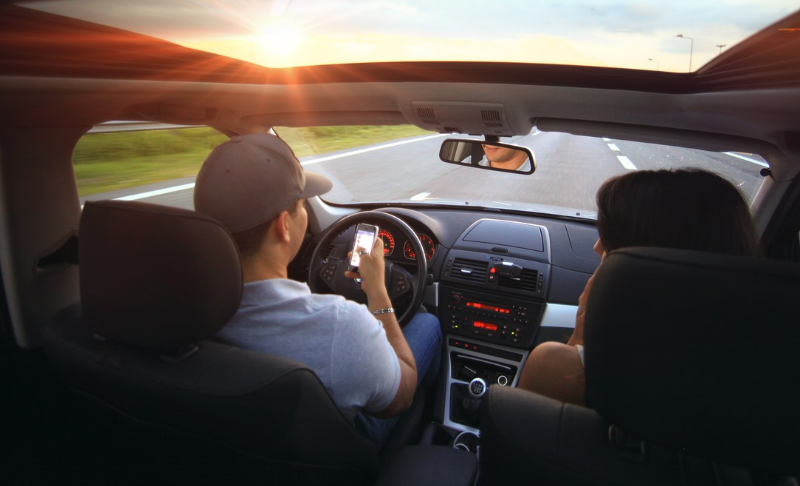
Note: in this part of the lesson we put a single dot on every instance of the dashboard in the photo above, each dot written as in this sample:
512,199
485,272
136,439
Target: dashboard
499,284
560,250
544,262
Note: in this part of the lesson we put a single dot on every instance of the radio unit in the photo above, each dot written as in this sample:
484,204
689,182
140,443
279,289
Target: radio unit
501,320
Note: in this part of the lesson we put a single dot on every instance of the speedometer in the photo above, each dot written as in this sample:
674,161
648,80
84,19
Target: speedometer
427,246
388,242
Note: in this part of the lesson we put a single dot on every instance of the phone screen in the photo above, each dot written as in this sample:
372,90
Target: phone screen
365,238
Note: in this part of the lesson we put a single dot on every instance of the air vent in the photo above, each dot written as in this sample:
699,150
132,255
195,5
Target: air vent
491,118
328,252
528,281
427,115
469,270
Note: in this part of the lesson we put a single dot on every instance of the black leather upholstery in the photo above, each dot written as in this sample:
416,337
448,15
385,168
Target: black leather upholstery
154,278
692,369
430,466
272,407
528,438
700,352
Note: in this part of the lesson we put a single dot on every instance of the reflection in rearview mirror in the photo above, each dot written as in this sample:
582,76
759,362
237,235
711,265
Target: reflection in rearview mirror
483,155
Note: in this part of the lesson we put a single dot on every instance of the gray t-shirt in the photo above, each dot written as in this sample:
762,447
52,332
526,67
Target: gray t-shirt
340,340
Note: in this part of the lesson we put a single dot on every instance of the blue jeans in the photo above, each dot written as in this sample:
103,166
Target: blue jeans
424,337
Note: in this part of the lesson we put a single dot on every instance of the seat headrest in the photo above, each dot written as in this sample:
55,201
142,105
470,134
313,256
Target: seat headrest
156,276
698,351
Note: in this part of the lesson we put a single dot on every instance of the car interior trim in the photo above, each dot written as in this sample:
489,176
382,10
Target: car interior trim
473,350
559,315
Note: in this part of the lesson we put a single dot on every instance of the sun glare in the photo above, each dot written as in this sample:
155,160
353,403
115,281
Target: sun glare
276,40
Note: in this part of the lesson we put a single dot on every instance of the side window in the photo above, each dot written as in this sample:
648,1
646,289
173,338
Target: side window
142,161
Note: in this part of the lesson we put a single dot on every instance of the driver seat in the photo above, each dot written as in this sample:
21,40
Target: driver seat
157,283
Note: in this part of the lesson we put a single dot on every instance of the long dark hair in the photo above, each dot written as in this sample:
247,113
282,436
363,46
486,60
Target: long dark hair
685,208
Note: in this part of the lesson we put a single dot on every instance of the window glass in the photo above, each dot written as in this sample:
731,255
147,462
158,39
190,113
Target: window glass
391,164
142,161
402,165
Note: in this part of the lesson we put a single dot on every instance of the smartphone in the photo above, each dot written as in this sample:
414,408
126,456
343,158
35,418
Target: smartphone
365,238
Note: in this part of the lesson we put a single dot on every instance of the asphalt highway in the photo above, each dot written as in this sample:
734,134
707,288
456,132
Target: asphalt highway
569,169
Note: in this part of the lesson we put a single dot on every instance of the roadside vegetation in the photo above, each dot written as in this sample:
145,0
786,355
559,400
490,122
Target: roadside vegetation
111,161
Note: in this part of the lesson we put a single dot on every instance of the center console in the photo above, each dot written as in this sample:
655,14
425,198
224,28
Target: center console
491,301
496,319
470,360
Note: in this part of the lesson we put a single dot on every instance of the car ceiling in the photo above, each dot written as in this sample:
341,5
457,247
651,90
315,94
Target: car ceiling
746,99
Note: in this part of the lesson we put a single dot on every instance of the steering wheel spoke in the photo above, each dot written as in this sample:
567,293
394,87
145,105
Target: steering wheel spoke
398,281
328,270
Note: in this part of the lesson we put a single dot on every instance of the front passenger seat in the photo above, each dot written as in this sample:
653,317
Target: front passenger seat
691,373
157,283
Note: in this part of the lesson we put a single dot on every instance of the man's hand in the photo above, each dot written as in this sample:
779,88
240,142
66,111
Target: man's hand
372,272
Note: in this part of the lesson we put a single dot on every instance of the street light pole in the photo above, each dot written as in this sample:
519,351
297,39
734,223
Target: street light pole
691,48
653,60
720,47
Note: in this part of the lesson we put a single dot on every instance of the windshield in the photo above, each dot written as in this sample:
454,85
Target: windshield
675,36
401,165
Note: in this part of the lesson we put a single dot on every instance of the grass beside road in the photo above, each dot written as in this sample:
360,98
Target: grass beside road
118,160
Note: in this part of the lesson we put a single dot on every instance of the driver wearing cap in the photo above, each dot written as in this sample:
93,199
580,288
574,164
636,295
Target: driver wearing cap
255,186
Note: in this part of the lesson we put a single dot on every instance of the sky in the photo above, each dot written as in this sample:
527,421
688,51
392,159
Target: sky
283,33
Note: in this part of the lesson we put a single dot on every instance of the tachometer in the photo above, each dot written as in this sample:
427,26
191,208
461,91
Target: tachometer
427,246
388,241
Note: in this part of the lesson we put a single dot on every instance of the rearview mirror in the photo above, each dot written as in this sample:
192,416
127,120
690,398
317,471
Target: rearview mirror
488,155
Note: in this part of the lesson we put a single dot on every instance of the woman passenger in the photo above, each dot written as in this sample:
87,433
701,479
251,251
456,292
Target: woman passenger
685,209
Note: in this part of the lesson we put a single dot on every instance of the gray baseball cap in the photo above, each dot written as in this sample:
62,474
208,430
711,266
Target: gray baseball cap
250,179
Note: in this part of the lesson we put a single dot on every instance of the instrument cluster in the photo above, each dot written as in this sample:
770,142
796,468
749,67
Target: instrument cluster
397,247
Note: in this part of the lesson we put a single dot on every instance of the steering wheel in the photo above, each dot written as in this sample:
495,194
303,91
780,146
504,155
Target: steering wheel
399,282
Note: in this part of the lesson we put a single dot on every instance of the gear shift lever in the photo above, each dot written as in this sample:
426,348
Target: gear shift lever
477,388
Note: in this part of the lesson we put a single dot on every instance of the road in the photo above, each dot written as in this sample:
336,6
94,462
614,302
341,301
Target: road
569,171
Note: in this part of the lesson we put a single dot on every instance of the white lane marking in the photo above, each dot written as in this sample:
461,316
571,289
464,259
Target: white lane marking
613,147
606,139
158,192
420,197
167,190
370,149
752,161
626,162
